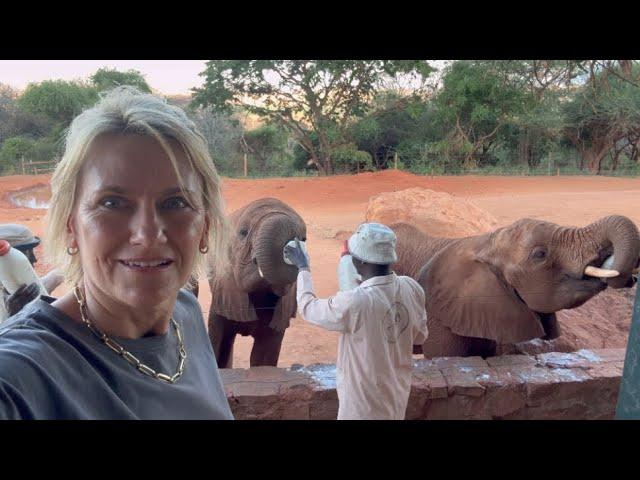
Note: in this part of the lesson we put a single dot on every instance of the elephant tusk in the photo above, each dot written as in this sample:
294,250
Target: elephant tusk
260,272
600,272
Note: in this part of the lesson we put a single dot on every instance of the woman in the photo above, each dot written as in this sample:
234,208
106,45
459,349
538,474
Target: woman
135,209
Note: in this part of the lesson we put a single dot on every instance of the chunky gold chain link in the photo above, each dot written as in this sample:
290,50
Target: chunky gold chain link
128,356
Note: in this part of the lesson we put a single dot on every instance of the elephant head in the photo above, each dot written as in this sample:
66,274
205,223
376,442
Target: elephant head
260,231
506,285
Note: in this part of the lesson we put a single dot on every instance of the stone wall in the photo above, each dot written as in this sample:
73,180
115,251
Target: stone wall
562,386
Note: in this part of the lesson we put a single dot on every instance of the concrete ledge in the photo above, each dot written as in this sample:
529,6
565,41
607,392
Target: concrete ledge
562,386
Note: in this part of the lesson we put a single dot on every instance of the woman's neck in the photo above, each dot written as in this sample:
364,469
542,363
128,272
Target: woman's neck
115,318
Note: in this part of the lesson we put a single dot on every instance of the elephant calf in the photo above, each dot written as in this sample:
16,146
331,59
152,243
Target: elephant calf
505,286
257,296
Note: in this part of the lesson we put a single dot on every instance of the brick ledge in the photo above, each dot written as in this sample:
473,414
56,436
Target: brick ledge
577,385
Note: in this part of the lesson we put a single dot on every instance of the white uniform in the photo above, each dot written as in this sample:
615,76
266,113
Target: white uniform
379,321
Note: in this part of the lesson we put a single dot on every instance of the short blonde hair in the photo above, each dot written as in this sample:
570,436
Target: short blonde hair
125,110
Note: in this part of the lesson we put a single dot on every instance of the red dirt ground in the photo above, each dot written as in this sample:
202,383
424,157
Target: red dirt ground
332,206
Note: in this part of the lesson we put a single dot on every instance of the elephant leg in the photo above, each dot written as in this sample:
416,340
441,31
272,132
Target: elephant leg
266,347
442,342
222,333
550,325
480,347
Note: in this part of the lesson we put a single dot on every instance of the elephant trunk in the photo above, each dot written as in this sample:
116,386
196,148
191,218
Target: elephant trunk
620,233
274,233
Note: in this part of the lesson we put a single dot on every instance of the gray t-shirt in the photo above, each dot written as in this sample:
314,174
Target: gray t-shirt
52,367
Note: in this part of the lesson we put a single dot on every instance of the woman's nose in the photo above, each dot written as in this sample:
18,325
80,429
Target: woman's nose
147,227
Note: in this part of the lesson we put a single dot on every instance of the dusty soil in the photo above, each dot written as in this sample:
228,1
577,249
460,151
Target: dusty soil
333,206
437,214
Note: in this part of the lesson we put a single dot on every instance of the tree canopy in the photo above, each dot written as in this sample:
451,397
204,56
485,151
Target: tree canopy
304,96
106,79
58,100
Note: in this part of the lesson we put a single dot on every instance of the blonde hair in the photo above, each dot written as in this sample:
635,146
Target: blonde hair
125,110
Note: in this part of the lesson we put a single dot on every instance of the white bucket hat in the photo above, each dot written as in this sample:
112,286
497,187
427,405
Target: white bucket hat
374,243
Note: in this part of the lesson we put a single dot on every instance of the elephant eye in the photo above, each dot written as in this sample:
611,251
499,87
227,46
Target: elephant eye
539,254
244,232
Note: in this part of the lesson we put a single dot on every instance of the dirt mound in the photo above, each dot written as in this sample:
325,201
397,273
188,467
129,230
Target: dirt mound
602,322
436,213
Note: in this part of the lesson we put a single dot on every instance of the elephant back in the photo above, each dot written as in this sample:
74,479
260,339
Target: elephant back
414,249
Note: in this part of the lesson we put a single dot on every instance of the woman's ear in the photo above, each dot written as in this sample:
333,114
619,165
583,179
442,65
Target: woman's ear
204,240
71,233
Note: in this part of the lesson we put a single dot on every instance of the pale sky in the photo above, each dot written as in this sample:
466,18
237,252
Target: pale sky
169,77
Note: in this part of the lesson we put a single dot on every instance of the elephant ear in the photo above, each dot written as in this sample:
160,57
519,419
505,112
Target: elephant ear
229,301
285,309
469,295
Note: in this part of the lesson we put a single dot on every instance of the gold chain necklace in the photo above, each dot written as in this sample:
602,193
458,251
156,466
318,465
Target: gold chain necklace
129,357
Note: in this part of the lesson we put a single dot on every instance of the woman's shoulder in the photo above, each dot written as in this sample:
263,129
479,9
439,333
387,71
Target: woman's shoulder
28,337
29,319
188,313
187,308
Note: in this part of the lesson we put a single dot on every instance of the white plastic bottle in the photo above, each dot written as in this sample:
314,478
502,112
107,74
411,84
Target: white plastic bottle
16,270
348,277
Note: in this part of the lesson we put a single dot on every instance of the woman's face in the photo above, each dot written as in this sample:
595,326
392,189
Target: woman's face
137,233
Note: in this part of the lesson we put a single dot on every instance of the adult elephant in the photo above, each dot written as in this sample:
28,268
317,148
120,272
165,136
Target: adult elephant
257,296
504,287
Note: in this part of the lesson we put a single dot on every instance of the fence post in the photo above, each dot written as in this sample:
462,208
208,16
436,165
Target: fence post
395,159
245,164
22,162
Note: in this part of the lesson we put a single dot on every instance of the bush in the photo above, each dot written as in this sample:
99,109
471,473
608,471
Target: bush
348,159
12,151
46,150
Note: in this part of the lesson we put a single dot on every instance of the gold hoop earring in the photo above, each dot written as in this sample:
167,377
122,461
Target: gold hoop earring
204,249
72,250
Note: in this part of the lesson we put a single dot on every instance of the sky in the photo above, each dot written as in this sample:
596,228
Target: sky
169,77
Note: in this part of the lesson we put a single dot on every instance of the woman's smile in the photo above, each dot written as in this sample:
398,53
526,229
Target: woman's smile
151,265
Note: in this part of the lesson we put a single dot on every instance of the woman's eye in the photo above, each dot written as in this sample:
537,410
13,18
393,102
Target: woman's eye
112,202
175,203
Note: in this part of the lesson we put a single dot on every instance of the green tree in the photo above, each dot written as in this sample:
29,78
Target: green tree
15,122
58,100
266,143
12,151
223,134
306,97
349,159
396,124
476,101
106,79
604,111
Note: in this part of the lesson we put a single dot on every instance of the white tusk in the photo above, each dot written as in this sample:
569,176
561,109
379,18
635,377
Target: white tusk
260,272
600,272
